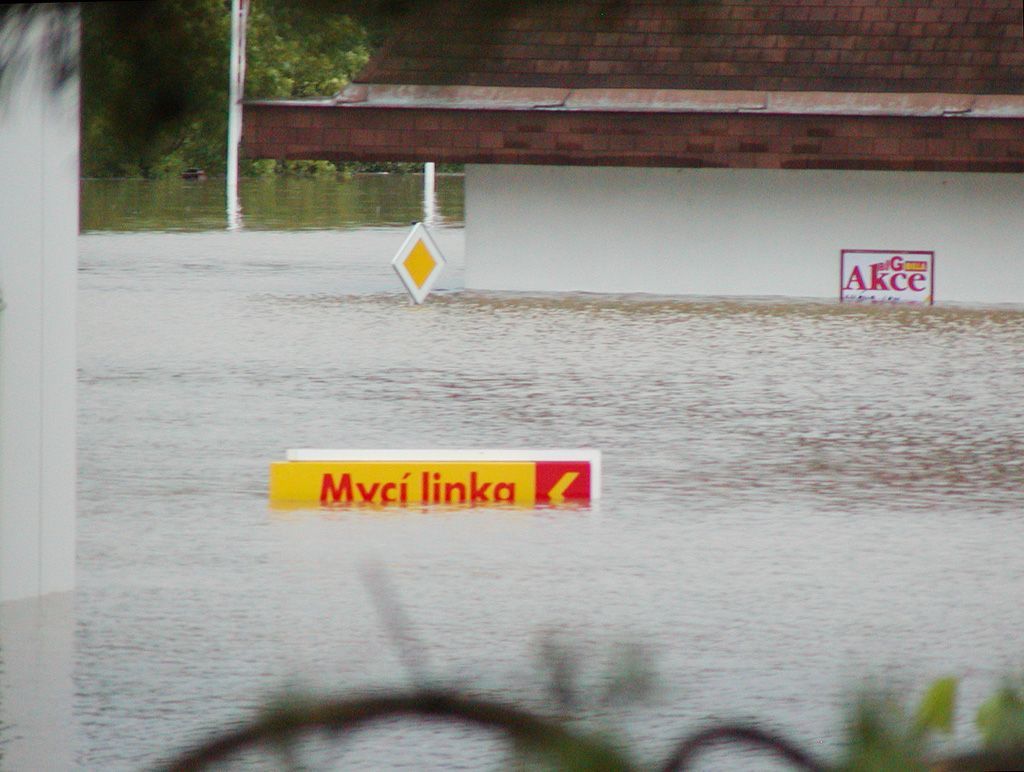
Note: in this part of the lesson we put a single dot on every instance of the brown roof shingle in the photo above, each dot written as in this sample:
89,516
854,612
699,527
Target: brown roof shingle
908,85
915,46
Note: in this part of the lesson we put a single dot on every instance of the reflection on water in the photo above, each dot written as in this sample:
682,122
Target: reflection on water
796,496
271,203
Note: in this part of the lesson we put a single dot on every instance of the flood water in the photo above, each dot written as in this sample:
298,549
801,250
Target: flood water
798,497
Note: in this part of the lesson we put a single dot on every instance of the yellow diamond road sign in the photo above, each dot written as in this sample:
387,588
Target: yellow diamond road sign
419,263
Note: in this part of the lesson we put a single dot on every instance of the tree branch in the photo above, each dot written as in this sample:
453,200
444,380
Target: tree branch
338,717
693,745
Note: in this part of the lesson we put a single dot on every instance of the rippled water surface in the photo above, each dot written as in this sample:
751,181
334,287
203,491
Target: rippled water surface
797,496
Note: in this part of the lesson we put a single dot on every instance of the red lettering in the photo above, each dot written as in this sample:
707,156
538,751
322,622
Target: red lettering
367,493
332,494
896,263
916,281
878,274
505,492
477,493
453,488
896,276
855,275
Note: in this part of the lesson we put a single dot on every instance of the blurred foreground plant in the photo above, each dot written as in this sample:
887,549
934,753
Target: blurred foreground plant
882,735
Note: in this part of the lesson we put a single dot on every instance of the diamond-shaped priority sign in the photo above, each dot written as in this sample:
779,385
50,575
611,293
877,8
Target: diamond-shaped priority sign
419,263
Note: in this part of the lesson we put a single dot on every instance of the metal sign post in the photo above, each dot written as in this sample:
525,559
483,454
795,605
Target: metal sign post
236,87
429,194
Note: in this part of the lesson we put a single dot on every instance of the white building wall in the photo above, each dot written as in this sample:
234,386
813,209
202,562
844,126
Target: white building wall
38,263
736,232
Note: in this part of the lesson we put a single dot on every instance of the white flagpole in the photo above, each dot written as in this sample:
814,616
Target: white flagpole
239,12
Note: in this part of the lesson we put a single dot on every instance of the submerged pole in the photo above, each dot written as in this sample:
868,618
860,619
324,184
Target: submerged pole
236,86
429,194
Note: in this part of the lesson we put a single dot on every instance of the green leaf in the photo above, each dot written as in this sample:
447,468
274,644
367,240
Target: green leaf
935,711
878,740
1000,718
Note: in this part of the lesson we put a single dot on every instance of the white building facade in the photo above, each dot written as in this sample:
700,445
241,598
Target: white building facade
737,232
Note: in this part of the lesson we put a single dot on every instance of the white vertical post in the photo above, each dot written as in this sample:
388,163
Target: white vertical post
236,87
37,682
39,128
429,194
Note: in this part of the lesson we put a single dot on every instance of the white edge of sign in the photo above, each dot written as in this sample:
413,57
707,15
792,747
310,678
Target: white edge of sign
418,232
589,455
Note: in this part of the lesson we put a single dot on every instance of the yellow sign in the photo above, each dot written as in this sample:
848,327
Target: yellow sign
463,478
419,263
368,482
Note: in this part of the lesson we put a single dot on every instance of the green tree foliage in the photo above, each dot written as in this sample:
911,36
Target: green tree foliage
155,76
295,52
154,80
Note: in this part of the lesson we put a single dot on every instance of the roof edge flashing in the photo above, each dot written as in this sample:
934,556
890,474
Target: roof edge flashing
895,104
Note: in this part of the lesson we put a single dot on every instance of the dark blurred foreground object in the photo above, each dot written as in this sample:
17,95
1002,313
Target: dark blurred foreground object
546,740
60,41
880,735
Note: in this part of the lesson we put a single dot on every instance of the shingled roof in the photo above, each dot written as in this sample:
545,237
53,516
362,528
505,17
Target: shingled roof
874,84
912,46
